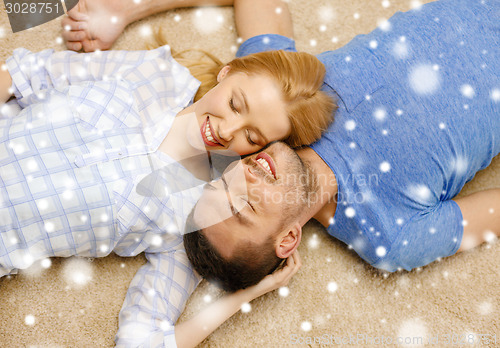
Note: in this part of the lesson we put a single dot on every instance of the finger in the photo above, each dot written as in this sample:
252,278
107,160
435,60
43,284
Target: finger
77,15
69,24
297,259
79,35
94,45
74,46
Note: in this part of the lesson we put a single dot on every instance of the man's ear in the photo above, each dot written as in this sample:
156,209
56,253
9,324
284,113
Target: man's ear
223,73
289,241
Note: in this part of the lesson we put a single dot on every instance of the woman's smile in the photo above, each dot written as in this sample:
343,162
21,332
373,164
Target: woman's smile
208,134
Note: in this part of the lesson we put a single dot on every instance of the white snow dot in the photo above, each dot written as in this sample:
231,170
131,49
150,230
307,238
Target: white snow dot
348,59
380,251
284,291
485,308
416,4
384,132
278,10
400,50
306,326
326,14
335,39
350,125
84,218
489,236
467,91
405,242
208,20
356,15
399,221
246,307
104,248
42,204
59,40
313,242
352,145
266,40
332,287
46,263
424,80
495,95
322,27
207,298
77,271
67,195
384,167
146,30
350,212
383,24
386,3
137,1
165,325
114,19
313,42
380,114
373,44
331,221
49,226
32,165
432,230
156,241
442,125
67,27
177,18
421,192
29,320
465,222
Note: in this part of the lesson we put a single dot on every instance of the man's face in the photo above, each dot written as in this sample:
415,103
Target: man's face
254,199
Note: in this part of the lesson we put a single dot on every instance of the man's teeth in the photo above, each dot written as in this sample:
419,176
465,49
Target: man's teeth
208,134
265,164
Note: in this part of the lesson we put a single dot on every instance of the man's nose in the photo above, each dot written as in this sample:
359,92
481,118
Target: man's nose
229,128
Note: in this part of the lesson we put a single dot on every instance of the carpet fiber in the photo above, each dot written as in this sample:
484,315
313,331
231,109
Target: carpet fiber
335,295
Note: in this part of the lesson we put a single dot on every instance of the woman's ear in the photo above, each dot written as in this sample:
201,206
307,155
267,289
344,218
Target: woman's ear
223,73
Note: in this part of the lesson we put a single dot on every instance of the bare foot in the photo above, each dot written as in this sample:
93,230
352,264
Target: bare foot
94,24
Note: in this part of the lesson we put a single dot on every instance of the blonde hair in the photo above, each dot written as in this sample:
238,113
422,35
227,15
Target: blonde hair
299,76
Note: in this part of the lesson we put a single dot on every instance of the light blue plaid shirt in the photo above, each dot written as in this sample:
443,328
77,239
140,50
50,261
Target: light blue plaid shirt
76,145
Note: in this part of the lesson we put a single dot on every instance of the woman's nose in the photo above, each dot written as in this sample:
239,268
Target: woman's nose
227,130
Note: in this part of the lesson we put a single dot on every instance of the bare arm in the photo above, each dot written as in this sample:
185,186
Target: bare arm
5,84
192,332
257,17
481,212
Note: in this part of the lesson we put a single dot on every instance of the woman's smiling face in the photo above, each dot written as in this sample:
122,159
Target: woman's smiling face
242,113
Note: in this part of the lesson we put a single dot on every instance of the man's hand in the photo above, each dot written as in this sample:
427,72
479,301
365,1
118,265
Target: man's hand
94,24
277,279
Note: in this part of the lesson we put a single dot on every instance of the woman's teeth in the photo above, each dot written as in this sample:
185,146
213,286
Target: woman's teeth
208,133
265,164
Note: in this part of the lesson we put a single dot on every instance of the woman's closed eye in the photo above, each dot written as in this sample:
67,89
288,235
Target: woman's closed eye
249,138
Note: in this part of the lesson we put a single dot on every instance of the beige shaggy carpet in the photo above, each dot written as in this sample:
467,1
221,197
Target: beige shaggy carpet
334,296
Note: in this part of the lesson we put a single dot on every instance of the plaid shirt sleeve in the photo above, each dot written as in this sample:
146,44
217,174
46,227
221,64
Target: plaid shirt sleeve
155,299
33,73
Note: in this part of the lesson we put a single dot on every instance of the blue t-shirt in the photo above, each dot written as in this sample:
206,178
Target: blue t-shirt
418,116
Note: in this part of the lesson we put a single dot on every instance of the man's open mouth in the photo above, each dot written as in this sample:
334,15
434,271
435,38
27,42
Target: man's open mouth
267,163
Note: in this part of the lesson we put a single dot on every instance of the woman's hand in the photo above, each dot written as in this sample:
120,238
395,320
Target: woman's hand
277,279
